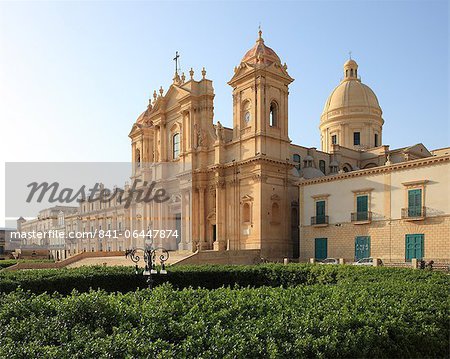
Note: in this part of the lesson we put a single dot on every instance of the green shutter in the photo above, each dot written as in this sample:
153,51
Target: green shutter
362,205
362,247
320,212
414,246
320,208
321,248
414,202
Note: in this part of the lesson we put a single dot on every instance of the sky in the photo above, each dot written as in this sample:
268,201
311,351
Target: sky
74,76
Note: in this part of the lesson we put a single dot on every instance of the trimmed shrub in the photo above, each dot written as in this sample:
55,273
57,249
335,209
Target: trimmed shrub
353,319
124,279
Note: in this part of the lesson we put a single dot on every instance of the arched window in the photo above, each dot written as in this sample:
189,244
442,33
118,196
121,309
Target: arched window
351,72
273,115
138,158
322,166
298,160
246,212
347,167
275,213
246,114
175,145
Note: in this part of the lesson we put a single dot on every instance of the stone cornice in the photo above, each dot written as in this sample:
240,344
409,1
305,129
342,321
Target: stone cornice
363,190
381,169
415,183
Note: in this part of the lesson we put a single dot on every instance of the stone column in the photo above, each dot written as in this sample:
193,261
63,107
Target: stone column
186,221
220,214
202,217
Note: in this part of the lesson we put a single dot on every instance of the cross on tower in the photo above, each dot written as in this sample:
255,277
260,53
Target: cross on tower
177,56
350,55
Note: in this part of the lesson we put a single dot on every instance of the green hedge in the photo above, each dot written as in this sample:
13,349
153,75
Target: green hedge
352,319
123,279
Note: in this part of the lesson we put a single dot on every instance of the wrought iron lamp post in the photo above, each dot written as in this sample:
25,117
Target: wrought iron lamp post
150,255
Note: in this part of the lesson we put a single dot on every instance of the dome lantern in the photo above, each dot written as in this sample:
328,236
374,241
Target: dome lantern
350,70
260,53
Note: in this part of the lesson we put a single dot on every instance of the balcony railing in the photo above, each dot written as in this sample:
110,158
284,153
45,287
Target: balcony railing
361,216
317,220
413,212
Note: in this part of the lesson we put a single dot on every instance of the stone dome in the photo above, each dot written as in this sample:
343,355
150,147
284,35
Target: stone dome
351,96
260,53
141,117
352,116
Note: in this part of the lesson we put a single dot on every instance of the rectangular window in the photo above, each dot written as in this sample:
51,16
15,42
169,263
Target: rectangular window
362,247
376,140
297,159
320,212
322,166
321,248
334,139
176,145
415,203
362,204
356,138
414,246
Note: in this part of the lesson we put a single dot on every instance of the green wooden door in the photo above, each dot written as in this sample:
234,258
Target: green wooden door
362,247
321,248
414,203
414,246
320,212
362,204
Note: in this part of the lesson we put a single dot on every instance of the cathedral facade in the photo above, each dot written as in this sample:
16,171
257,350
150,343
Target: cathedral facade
250,188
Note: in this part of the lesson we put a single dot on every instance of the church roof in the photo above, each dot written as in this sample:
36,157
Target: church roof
311,172
260,53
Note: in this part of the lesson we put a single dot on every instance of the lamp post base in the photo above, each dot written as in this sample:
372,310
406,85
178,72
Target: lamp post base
150,282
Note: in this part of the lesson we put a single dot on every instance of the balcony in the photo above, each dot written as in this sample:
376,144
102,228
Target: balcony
319,221
414,213
361,217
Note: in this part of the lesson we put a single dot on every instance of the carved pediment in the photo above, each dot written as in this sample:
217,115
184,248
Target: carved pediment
246,198
174,95
135,130
175,198
275,197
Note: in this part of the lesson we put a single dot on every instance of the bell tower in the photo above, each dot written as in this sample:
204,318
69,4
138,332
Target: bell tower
260,103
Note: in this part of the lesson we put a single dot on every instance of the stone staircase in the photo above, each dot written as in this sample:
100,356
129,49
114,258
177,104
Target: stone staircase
249,256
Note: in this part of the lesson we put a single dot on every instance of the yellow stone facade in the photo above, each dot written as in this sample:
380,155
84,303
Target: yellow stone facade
388,224
249,188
